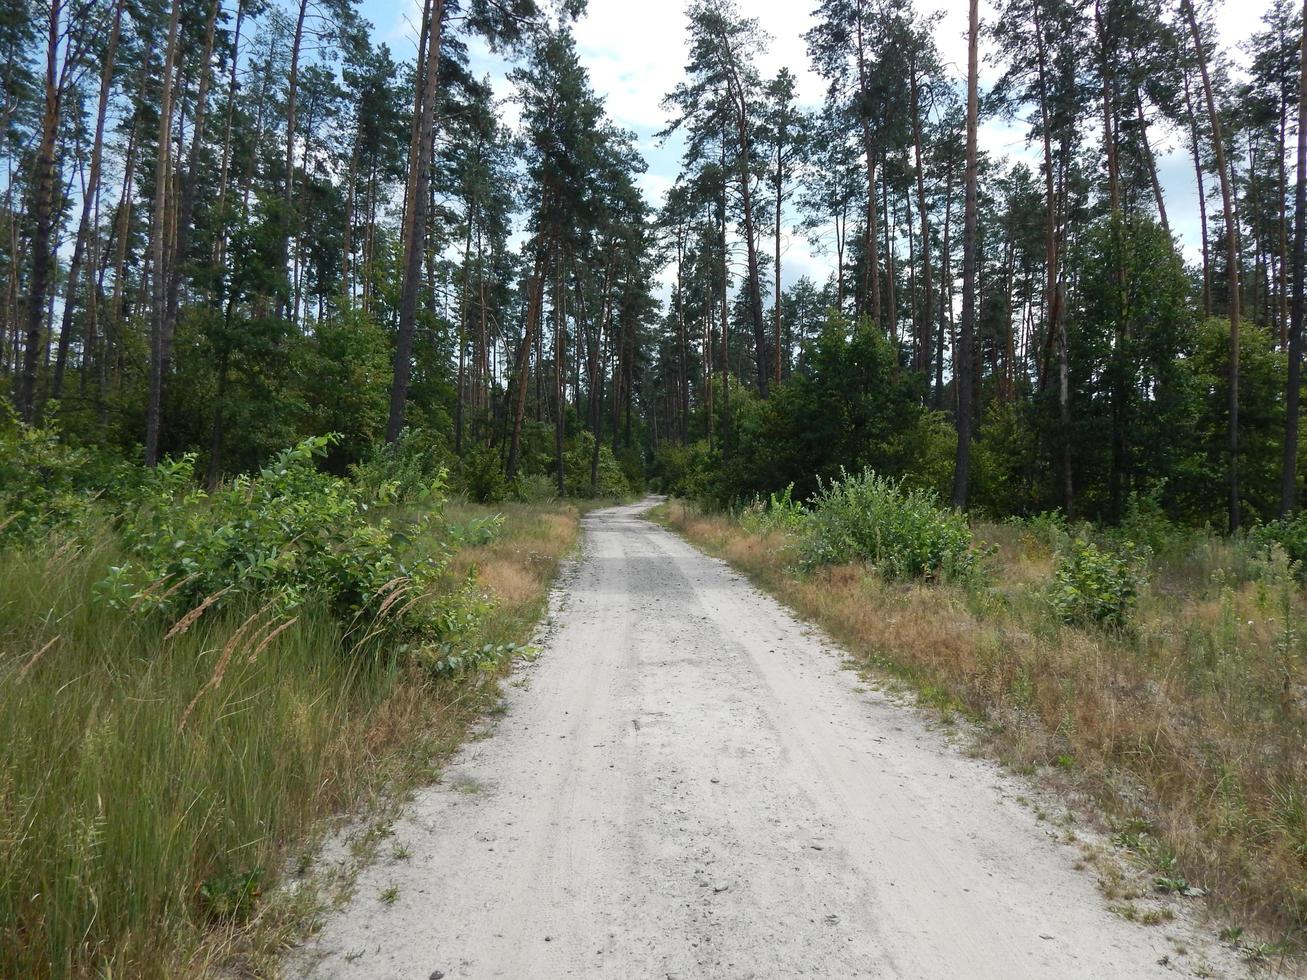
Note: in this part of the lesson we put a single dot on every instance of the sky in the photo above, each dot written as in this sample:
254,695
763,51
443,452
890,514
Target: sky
635,52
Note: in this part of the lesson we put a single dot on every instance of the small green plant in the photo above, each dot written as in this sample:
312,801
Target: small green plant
1092,585
447,661
287,536
480,475
475,532
409,470
389,895
904,533
232,896
1290,533
779,512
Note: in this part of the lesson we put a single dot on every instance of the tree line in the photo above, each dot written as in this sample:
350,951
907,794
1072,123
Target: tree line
229,224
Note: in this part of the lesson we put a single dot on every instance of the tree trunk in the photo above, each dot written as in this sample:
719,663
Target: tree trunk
43,215
1202,198
1231,259
560,404
924,331
158,236
754,284
417,225
962,370
535,299
872,259
776,268
292,96
1293,384
90,198
1150,162
188,184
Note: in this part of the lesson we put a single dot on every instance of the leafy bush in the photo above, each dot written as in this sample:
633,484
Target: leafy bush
611,479
47,484
474,533
1290,533
1048,528
779,512
1145,520
480,475
1095,585
409,470
289,535
538,488
39,485
904,533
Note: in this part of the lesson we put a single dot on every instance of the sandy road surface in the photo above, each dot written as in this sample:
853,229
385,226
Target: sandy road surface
685,784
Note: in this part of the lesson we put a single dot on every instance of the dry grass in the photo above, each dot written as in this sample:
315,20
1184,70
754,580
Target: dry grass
1187,732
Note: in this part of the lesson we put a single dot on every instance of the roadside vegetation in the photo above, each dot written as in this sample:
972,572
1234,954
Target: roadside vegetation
1157,669
191,682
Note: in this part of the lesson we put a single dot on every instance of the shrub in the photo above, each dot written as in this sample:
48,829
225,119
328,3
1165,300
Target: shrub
538,488
904,533
480,475
48,485
409,470
779,512
289,535
1145,520
1047,529
611,480
1290,533
1094,585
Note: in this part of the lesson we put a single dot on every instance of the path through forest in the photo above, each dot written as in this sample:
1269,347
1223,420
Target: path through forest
685,784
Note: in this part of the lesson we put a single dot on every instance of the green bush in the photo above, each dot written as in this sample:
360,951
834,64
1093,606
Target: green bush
1093,585
412,469
1048,529
1290,533
480,475
905,533
46,484
611,480
287,536
779,512
538,488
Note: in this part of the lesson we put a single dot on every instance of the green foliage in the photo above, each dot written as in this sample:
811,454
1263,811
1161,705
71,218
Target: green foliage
412,469
779,512
230,896
474,533
1145,521
290,535
1290,533
447,661
535,488
41,481
904,533
480,475
1094,585
612,478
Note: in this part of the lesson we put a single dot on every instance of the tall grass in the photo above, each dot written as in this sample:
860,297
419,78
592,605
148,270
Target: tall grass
1187,726
151,783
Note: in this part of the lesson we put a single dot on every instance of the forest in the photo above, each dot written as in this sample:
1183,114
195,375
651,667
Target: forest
233,225
314,357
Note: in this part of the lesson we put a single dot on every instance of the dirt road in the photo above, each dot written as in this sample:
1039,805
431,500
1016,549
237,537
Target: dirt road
685,784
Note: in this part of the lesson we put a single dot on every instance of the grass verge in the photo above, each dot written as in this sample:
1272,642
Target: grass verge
154,781
1186,730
